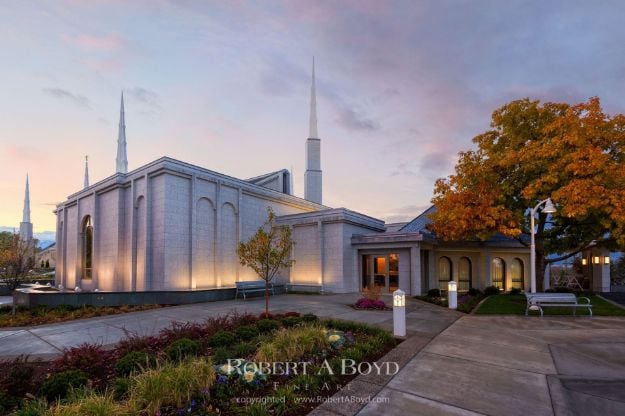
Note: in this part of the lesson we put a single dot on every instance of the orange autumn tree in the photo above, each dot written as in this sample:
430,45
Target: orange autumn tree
574,154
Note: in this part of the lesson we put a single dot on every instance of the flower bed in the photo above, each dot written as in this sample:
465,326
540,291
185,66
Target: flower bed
375,304
219,366
45,315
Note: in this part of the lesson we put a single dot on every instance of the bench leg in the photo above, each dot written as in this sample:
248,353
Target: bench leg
574,311
541,311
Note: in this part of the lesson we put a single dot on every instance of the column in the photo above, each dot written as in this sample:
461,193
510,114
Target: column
415,270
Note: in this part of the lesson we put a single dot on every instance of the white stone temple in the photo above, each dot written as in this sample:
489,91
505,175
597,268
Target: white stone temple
171,225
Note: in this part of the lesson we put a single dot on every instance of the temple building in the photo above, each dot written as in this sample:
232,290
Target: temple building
171,225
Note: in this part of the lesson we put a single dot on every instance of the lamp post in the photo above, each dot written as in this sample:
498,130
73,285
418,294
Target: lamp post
452,294
549,209
399,313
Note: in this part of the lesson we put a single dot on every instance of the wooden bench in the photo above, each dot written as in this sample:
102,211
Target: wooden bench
251,287
567,300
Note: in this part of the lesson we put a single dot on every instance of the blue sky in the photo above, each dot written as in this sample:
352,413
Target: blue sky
402,87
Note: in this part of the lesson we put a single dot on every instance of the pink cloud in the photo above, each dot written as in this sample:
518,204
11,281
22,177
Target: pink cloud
110,42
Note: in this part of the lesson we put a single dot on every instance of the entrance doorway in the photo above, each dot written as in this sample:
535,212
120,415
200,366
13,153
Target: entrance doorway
380,272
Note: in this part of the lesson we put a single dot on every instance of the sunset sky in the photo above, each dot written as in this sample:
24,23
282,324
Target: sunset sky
402,87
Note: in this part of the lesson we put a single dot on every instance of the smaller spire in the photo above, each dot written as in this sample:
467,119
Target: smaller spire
86,184
26,212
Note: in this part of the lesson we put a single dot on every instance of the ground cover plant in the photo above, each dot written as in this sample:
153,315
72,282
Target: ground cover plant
46,315
514,304
467,301
197,368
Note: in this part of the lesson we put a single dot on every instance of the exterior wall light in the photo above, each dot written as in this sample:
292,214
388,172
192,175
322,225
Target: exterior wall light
606,260
452,294
584,261
596,260
399,313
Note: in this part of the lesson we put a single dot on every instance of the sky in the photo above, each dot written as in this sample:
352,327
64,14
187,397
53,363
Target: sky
402,87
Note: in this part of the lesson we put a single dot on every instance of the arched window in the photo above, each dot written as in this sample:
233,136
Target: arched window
464,274
87,247
516,272
444,272
498,273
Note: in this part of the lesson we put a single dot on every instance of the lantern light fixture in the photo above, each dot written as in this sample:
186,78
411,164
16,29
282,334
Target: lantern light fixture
606,260
596,260
452,294
584,261
399,313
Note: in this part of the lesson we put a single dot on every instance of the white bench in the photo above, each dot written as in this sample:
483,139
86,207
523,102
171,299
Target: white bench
251,287
567,300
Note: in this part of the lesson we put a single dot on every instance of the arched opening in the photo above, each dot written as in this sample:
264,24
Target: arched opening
464,274
87,247
444,272
498,273
516,272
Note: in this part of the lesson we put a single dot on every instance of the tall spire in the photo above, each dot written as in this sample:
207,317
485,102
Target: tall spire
86,184
122,160
313,176
312,132
26,227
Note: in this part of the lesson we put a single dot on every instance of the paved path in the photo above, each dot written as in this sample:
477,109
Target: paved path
46,341
513,365
451,364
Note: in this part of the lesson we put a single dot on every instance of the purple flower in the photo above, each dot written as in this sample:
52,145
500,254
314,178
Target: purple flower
221,380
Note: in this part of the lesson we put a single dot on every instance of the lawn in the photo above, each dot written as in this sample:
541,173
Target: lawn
515,305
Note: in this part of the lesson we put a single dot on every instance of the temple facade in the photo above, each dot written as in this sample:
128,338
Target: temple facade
170,225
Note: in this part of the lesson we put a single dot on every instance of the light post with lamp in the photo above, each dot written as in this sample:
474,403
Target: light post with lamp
549,209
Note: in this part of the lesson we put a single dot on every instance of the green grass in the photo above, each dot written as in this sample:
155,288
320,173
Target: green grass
515,305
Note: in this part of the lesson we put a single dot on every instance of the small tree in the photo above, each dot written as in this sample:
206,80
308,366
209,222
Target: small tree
47,264
17,258
268,251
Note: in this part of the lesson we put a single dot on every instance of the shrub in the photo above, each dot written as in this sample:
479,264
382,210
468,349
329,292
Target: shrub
292,344
33,408
59,384
18,377
7,402
435,293
222,339
246,332
515,291
188,330
221,355
134,361
353,353
182,348
474,292
121,386
170,385
309,317
91,359
491,290
92,404
290,321
267,325
244,349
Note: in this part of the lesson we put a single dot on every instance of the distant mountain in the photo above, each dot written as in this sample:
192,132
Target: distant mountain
45,237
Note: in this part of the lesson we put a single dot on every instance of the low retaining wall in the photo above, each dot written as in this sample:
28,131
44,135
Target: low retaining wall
161,297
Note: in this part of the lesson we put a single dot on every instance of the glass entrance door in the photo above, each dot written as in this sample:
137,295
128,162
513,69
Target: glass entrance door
380,272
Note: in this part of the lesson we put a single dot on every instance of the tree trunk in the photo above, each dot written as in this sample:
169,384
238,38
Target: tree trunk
266,298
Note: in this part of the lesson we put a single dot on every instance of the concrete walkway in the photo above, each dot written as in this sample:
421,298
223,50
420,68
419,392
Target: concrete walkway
451,364
513,365
47,341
